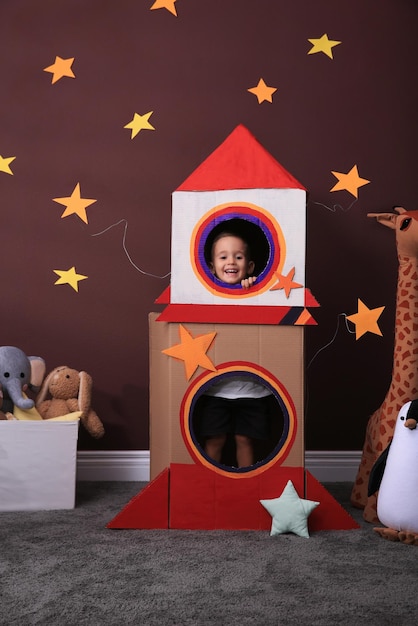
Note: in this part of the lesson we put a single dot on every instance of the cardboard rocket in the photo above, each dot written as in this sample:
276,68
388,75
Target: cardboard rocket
210,330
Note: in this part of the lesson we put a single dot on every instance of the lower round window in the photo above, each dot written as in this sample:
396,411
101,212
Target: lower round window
203,413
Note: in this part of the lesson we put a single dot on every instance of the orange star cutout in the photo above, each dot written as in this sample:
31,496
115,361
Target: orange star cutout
165,4
365,320
263,92
75,204
61,67
286,282
192,350
350,182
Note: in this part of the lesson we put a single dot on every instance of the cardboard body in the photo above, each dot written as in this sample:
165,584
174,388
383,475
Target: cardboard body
276,351
37,465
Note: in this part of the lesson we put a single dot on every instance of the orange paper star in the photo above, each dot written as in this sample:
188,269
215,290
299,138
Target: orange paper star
165,4
350,181
69,277
286,282
75,204
263,92
192,350
365,320
61,67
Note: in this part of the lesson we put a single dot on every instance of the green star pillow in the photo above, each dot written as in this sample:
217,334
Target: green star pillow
289,512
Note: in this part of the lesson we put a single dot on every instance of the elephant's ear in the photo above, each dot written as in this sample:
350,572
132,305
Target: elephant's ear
38,368
84,392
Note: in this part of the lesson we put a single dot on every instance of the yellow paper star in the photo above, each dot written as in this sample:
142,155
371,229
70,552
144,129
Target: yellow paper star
75,204
69,277
4,164
140,122
165,4
61,67
323,44
286,282
350,181
192,350
365,320
263,92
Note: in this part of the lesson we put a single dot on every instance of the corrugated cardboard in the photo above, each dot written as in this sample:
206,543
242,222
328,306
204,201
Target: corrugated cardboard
278,349
37,465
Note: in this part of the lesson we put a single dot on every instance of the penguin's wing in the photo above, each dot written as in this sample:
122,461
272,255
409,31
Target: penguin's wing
377,471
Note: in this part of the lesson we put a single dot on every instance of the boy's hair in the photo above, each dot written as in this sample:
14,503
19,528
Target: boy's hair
227,233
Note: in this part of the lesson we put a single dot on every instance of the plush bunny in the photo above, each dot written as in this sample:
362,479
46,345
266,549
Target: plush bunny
69,391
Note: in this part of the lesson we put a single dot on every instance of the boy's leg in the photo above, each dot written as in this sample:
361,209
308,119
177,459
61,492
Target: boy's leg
214,425
251,423
244,450
214,446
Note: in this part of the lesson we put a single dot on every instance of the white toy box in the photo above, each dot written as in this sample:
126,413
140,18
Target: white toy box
37,465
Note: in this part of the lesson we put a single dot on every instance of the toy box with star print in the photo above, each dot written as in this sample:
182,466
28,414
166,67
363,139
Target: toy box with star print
234,319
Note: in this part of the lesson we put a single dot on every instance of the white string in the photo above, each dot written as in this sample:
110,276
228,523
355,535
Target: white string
352,332
334,208
126,251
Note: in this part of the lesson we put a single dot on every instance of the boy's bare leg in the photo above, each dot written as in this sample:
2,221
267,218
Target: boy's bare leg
245,452
214,446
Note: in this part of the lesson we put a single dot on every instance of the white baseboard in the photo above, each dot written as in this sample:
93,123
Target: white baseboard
333,467
119,465
134,465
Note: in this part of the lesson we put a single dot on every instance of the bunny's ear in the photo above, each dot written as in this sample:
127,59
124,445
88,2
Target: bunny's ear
45,388
84,392
37,369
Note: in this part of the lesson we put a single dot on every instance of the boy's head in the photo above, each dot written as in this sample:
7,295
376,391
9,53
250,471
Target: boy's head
230,258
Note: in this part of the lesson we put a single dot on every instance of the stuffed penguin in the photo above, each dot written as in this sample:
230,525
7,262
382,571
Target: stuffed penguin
395,475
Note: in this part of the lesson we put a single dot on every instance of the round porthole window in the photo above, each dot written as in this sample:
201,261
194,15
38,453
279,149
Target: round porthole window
272,435
262,239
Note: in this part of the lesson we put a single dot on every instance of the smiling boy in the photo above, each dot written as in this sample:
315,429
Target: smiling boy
231,261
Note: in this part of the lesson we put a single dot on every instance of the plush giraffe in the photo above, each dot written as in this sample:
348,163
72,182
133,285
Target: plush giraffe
404,383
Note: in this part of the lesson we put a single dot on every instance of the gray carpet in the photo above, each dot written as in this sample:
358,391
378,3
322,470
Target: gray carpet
65,568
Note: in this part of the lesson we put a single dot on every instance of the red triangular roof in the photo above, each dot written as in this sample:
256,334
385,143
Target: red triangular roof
240,162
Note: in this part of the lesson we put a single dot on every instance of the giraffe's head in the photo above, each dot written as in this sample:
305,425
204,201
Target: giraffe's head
405,223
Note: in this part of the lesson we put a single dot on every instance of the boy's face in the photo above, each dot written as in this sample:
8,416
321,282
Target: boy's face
229,260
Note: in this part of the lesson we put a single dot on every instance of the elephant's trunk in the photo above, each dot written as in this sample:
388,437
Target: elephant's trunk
14,391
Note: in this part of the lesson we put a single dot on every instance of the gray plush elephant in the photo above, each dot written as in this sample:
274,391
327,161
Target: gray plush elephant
18,373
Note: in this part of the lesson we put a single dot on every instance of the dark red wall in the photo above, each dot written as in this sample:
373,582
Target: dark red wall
193,72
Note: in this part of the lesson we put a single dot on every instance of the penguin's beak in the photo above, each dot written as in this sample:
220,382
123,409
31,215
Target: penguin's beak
411,423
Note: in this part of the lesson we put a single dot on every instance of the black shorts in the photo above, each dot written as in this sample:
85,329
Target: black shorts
242,416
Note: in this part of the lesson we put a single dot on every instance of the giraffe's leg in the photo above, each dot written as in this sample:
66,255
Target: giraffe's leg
359,491
368,457
370,510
